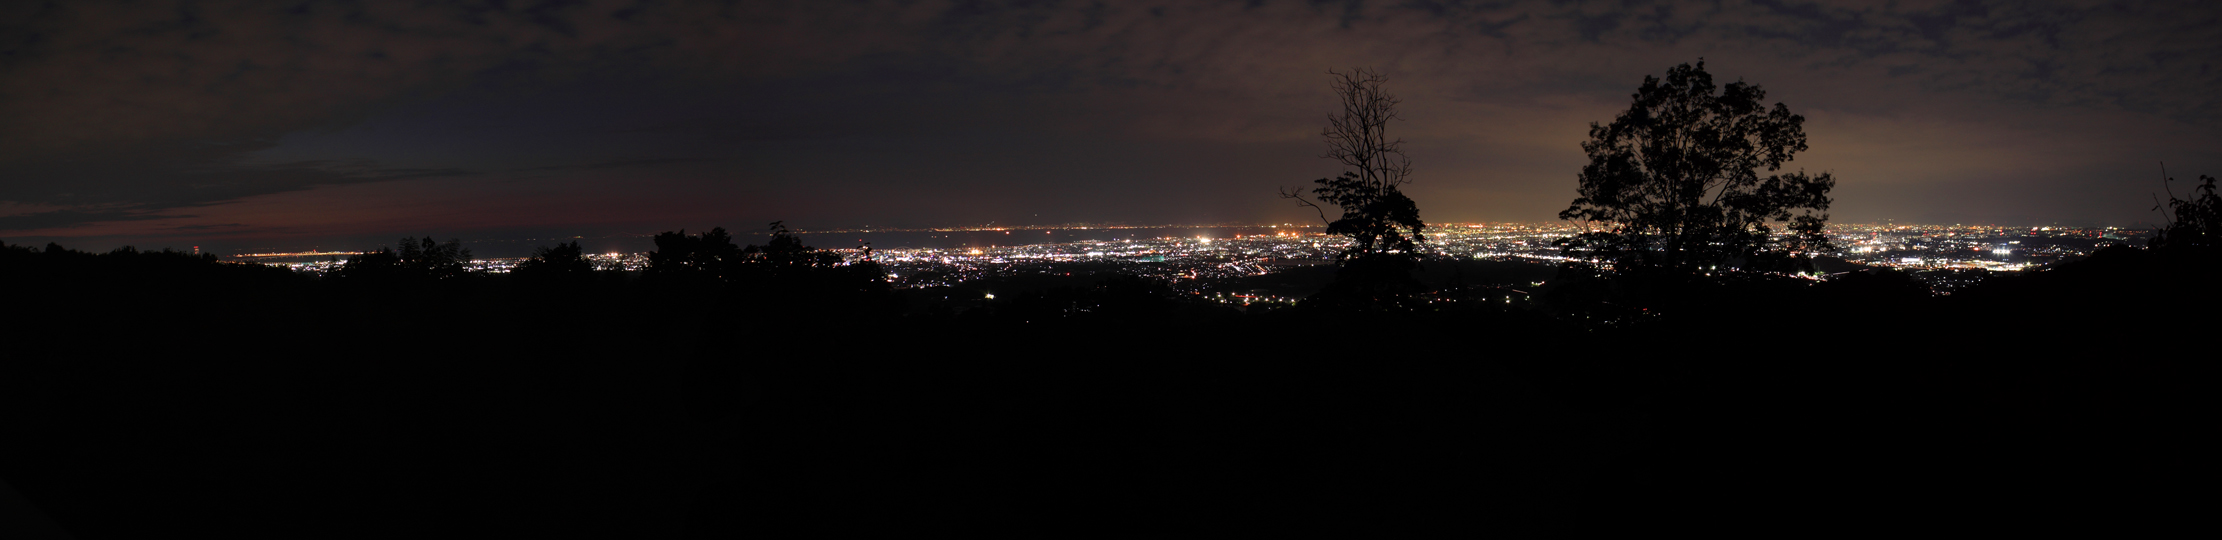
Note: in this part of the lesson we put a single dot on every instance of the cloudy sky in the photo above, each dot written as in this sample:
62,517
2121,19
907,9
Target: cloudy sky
249,125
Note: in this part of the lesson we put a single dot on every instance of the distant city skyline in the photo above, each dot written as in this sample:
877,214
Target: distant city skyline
1911,246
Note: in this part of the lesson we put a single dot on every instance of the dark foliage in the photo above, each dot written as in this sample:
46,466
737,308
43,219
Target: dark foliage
2194,224
783,275
565,261
377,266
417,260
1675,181
785,272
1377,218
695,260
785,254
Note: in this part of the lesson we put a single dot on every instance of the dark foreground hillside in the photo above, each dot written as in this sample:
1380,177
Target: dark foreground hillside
157,395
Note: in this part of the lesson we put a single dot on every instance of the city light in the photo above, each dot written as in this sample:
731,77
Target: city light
1201,263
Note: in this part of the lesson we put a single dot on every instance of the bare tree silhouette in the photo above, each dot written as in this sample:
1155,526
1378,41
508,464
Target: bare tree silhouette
1375,215
1382,223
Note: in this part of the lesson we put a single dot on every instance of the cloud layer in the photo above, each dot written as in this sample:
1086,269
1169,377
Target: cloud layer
145,115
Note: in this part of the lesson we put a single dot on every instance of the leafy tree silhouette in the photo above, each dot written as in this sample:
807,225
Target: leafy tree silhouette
1675,181
691,260
380,265
565,260
1381,222
433,259
785,256
2191,224
785,272
418,259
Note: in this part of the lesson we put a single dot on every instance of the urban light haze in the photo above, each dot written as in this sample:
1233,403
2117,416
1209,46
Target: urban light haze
297,126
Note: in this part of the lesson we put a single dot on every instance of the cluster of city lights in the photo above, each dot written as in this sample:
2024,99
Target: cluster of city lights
1193,262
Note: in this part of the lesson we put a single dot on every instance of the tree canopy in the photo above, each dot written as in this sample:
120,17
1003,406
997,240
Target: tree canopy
785,255
690,258
781,272
1676,180
565,260
416,259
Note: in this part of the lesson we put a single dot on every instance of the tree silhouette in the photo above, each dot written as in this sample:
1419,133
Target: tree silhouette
417,259
785,272
785,255
1376,217
1382,224
563,260
1674,181
2191,224
691,259
381,265
434,259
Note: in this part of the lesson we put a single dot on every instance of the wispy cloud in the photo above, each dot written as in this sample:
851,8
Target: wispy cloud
209,227
617,164
128,111
83,189
69,218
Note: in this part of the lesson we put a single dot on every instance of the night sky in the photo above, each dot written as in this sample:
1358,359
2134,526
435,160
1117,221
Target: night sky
271,125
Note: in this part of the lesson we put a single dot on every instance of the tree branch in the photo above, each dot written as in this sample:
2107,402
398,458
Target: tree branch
1298,194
